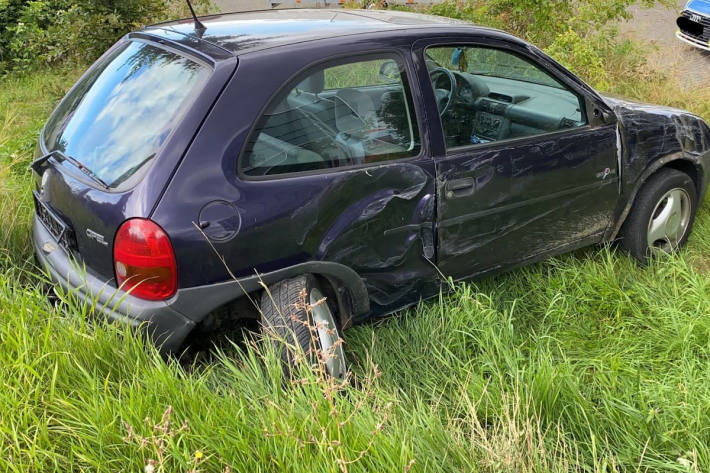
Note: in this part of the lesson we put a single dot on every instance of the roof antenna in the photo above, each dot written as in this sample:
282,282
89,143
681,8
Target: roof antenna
199,27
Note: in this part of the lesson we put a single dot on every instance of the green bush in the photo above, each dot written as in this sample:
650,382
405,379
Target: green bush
472,11
540,21
581,56
52,31
580,35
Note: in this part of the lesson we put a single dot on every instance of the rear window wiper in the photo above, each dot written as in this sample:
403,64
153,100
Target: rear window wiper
85,170
59,156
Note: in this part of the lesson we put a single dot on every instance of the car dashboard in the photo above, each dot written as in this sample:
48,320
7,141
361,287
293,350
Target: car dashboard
510,109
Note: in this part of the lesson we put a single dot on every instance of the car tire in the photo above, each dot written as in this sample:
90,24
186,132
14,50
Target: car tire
662,216
298,320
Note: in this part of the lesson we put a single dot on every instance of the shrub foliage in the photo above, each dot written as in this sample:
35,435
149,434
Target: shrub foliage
578,34
77,31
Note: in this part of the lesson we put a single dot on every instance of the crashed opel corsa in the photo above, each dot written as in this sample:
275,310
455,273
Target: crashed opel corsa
348,161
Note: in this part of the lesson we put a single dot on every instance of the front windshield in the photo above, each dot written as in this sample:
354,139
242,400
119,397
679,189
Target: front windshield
120,114
488,62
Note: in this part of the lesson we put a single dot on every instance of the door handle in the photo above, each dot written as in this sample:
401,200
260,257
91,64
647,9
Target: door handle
459,187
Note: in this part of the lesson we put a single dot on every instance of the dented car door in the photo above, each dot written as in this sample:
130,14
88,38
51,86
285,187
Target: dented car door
528,163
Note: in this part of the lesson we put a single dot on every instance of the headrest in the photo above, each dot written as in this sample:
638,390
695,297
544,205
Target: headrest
313,83
353,111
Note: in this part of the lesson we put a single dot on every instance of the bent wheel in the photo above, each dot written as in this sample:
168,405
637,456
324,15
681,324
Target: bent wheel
662,216
297,318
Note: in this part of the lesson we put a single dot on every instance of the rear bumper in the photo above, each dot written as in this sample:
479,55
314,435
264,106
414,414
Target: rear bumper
169,322
166,326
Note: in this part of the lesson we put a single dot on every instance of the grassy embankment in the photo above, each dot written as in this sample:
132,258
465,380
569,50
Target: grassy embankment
582,363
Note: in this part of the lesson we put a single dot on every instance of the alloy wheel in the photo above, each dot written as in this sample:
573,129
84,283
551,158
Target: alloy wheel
669,221
327,333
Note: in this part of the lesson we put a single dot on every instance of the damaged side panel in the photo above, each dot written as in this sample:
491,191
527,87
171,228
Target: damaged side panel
377,219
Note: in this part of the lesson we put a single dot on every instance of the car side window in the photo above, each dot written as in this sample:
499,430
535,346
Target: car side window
486,95
337,115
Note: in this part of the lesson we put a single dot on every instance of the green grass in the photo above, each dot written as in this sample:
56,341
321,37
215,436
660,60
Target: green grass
585,362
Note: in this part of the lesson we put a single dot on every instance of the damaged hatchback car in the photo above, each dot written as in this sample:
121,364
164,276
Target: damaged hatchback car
347,161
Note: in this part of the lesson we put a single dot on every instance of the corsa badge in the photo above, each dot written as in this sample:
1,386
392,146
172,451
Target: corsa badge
97,237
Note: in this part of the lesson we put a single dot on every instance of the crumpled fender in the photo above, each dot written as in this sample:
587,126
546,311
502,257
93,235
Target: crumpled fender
651,137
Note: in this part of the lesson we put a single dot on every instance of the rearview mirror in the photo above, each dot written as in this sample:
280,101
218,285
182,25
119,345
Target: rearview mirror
389,71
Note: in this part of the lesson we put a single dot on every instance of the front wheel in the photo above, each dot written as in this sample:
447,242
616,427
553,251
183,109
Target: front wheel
662,216
298,319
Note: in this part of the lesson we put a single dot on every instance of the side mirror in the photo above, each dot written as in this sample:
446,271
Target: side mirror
389,71
604,115
608,117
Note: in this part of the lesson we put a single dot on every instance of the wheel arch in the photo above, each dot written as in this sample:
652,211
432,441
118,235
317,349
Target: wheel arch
341,298
690,168
679,163
344,284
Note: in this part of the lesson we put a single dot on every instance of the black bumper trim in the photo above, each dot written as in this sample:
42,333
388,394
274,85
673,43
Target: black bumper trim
166,326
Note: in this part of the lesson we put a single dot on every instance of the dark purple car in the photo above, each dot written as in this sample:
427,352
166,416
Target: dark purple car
349,161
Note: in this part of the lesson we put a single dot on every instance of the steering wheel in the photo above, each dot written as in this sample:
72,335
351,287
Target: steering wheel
444,97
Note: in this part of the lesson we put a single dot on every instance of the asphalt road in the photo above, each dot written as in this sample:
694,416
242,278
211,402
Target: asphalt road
657,27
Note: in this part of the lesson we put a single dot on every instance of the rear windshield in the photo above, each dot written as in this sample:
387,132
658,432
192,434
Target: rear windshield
120,114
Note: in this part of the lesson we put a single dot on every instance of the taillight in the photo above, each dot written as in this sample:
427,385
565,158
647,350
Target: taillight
144,261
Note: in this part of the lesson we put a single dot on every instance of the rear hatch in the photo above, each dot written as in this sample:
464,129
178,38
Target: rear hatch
102,140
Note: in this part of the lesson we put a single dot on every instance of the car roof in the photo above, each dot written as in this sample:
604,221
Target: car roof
239,33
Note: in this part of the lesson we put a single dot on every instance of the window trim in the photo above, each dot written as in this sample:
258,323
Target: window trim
511,52
508,48
459,151
332,61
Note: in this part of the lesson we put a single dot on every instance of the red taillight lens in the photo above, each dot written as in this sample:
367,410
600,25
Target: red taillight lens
144,261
